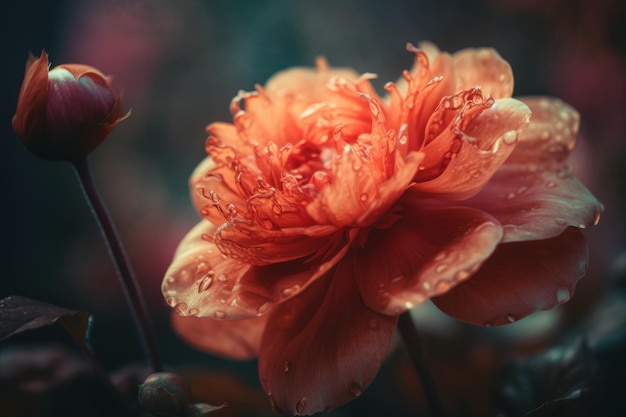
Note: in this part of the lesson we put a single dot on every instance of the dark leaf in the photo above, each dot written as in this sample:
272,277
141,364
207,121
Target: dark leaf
20,314
542,385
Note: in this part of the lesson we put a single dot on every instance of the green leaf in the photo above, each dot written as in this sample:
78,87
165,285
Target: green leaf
21,314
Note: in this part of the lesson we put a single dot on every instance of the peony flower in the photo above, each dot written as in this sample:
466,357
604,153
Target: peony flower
328,211
66,112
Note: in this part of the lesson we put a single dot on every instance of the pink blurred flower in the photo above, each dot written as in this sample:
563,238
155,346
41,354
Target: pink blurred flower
328,211
66,112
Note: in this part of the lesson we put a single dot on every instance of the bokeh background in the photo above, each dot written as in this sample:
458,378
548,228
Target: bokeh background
180,62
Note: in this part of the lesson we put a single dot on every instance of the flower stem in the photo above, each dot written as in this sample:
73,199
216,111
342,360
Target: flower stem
132,291
415,350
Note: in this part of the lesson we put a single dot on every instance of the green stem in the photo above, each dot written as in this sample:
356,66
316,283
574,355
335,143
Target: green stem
415,350
132,291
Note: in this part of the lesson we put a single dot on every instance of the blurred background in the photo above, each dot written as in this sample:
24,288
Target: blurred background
180,62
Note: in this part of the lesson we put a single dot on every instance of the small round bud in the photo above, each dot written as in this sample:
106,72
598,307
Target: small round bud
66,112
165,394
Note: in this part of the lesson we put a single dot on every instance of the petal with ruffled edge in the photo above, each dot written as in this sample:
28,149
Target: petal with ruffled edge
425,253
322,348
202,281
474,154
519,279
483,67
233,339
537,202
551,134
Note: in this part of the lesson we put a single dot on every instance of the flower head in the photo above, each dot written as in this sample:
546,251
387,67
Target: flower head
328,211
66,112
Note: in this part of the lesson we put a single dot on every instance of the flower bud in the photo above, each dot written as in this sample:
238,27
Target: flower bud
165,394
66,112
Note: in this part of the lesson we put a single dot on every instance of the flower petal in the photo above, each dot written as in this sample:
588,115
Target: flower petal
483,67
233,339
29,121
518,279
322,348
551,134
425,253
537,202
202,281
474,154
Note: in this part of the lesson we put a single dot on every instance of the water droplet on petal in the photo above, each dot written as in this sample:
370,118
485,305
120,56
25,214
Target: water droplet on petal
545,135
222,277
171,301
300,405
550,184
511,318
286,366
563,295
181,309
205,283
356,389
510,137
201,267
364,197
510,196
421,167
171,279
222,301
440,268
289,291
522,189
220,314
193,312
440,256
426,285
442,286
462,274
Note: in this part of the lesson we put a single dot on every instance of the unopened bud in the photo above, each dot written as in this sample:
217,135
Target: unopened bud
165,394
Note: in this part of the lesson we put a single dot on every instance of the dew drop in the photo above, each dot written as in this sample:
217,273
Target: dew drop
545,135
356,389
286,366
426,285
421,167
510,196
205,283
263,308
409,304
522,189
222,277
550,184
510,137
440,268
184,275
364,197
300,405
181,309
222,301
511,318
442,286
171,279
397,279
204,212
562,295
462,274
289,291
440,256
171,301
220,314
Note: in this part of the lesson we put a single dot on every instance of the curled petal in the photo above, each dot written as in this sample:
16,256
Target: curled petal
233,339
29,119
202,281
519,279
483,67
425,253
322,348
471,156
537,202
551,134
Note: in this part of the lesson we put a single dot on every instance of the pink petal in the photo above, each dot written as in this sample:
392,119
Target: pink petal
425,253
551,134
537,201
202,281
472,156
322,348
234,339
519,279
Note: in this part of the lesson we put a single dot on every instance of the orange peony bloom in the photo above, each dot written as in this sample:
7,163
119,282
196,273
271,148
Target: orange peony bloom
66,112
328,211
